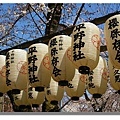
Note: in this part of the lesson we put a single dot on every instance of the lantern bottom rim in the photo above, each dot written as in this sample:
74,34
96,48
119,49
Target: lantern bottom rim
97,95
39,89
1,94
75,98
35,105
15,91
54,102
84,70
118,91
22,106
63,83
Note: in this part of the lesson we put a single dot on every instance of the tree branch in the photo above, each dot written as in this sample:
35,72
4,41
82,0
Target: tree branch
67,31
35,22
78,13
37,14
102,19
53,18
64,104
8,32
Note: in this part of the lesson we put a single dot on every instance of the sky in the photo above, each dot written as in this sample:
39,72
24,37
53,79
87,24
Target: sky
59,1
90,9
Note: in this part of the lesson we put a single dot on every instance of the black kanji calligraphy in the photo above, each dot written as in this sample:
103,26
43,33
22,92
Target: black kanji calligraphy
7,64
33,79
16,98
78,55
113,23
54,51
12,54
118,56
12,59
56,71
32,59
79,35
70,85
91,72
7,72
90,78
116,44
78,27
54,61
53,42
48,92
8,82
115,33
78,45
32,68
32,50
30,96
8,56
91,85
61,43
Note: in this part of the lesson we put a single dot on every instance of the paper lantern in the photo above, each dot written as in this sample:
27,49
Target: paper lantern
62,69
16,70
3,86
76,87
21,99
38,66
35,98
85,47
97,80
54,93
114,75
112,36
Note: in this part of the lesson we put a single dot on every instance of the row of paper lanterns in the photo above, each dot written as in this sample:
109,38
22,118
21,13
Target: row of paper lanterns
65,63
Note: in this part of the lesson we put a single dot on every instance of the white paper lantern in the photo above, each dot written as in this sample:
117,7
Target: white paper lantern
62,69
76,87
98,78
35,98
3,86
21,99
38,66
54,93
16,70
114,75
112,36
85,47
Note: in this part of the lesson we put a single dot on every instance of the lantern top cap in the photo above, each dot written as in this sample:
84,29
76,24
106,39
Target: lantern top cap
60,36
118,15
38,44
17,50
89,23
2,56
83,25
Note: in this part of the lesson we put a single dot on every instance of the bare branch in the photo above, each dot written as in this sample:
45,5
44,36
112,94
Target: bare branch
78,13
8,32
37,14
35,22
67,31
64,104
